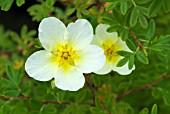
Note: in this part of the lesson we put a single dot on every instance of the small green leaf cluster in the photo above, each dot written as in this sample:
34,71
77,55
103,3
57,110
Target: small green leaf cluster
6,4
40,11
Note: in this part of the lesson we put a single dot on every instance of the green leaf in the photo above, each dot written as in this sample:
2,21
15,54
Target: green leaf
134,17
154,109
113,28
20,76
81,96
20,2
70,11
6,4
124,34
131,61
85,12
160,44
131,45
10,73
144,111
8,84
60,96
38,43
24,30
78,14
49,109
154,7
165,39
124,53
109,20
143,21
157,92
50,2
166,6
96,81
40,11
166,97
151,29
143,10
123,7
142,1
98,103
11,93
142,57
112,5
122,62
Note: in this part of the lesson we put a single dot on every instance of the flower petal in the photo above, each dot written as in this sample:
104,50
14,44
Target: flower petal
51,33
96,41
80,33
123,45
103,35
91,59
40,67
104,70
71,80
122,70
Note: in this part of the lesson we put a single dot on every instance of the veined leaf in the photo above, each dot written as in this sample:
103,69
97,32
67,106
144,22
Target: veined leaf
154,7
123,7
112,5
144,111
70,11
131,62
142,57
151,29
134,17
122,62
154,109
20,2
131,45
124,53
143,21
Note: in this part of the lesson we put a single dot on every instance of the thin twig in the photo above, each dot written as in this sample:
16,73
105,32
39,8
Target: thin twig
43,102
66,1
137,40
125,93
91,86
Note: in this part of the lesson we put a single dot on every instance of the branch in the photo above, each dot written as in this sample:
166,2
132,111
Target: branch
91,86
137,40
43,102
66,1
142,87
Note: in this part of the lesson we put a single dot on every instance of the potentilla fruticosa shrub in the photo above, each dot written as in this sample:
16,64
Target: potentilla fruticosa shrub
87,57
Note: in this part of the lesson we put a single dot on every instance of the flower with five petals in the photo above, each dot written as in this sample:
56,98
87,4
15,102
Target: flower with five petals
67,55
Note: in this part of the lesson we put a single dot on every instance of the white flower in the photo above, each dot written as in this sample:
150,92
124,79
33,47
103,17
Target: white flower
67,55
111,43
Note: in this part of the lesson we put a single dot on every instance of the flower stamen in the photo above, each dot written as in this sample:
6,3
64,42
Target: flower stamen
64,55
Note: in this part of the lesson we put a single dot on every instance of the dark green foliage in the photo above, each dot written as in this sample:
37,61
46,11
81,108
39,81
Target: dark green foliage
6,4
142,24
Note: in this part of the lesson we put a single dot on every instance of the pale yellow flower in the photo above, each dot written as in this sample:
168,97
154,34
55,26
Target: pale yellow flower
111,43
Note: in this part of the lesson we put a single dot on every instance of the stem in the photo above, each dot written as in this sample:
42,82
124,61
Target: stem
125,93
137,40
66,1
43,102
134,3
91,86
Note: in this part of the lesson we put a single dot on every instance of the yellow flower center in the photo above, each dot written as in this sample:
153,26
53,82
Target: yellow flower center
64,55
110,52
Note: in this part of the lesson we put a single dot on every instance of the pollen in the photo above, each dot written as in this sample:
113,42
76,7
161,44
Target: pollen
64,55
110,52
